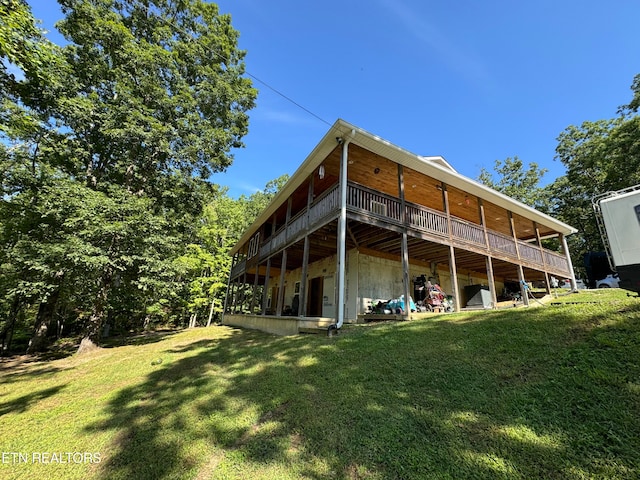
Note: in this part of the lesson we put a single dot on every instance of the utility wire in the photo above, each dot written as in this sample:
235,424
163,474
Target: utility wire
286,97
227,60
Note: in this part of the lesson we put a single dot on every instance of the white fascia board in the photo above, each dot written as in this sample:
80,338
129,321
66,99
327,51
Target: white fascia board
313,161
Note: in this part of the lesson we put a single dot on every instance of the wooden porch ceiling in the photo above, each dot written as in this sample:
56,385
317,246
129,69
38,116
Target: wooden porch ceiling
381,174
322,244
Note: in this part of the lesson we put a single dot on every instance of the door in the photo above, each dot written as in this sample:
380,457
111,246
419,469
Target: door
314,303
328,297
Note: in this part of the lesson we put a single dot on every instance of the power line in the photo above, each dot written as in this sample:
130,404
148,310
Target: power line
227,60
287,98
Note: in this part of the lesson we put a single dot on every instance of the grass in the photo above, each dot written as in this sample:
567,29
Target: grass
546,392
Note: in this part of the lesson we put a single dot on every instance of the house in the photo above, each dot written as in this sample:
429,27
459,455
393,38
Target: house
362,219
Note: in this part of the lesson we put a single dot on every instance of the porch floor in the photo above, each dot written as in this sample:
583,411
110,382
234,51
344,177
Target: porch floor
289,325
278,325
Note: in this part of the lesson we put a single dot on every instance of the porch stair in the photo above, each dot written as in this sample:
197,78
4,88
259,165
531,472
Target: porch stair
312,330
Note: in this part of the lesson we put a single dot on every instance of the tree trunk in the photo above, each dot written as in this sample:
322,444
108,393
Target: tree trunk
213,301
44,318
61,315
38,341
59,327
96,320
6,334
192,320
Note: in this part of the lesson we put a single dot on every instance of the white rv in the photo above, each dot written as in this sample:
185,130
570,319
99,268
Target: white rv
618,215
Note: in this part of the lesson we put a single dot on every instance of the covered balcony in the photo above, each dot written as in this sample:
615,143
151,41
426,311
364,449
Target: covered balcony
374,217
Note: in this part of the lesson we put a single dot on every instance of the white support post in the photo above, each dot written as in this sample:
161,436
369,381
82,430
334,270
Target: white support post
565,249
342,235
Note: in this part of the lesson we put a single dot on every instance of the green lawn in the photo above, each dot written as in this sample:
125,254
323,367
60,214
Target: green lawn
544,392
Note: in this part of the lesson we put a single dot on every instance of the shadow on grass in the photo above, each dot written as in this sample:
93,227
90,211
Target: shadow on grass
21,404
68,346
502,396
141,338
20,367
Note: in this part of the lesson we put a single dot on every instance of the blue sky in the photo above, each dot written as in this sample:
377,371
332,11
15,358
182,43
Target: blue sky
473,81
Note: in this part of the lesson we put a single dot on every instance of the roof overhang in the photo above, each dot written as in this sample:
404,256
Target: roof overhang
433,166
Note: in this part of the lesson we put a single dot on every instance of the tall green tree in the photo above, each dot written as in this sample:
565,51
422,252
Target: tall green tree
159,90
30,68
517,181
206,264
160,102
599,156
129,120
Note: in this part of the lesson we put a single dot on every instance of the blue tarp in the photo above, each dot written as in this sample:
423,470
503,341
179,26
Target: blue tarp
399,303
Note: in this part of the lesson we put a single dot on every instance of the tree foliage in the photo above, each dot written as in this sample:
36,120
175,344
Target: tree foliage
517,182
107,146
158,90
28,64
599,156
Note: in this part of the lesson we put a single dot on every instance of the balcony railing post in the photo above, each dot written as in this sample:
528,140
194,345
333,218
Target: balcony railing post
265,292
483,222
445,202
512,227
544,259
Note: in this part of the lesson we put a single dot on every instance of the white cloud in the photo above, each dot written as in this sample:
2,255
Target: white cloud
246,187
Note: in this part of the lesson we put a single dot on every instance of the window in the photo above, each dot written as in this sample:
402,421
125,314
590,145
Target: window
378,208
254,246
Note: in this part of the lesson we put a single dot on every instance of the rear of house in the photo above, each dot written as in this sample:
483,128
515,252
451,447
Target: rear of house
362,219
